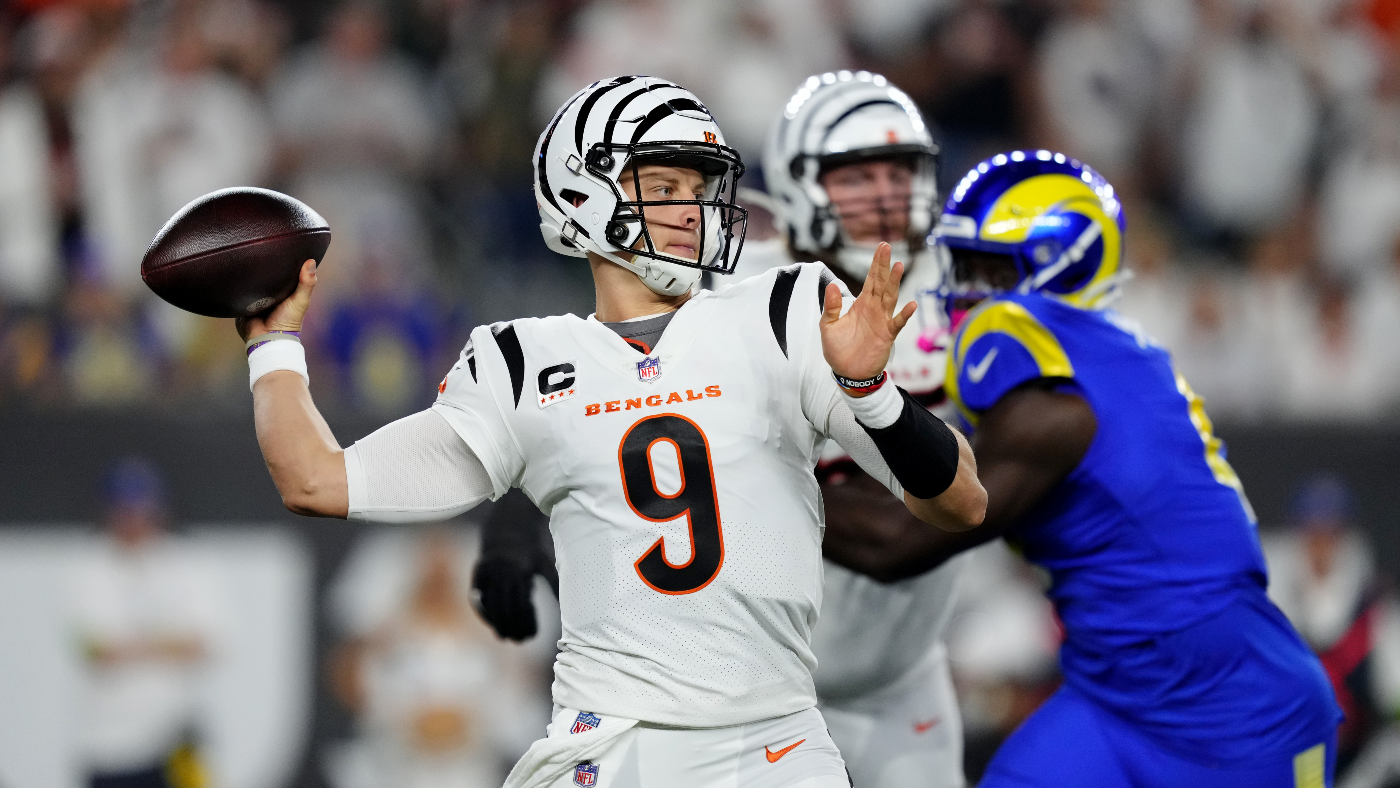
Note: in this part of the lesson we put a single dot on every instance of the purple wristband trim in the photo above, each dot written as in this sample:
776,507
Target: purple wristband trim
256,344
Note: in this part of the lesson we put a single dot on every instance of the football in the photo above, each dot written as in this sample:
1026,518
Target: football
234,252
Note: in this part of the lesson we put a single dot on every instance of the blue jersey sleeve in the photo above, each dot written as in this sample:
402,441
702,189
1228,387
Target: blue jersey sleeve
1000,346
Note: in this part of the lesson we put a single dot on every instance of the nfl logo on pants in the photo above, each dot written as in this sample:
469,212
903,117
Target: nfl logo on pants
585,722
586,773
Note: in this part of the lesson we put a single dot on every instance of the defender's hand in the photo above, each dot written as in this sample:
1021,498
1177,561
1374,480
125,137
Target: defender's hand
287,315
501,595
858,345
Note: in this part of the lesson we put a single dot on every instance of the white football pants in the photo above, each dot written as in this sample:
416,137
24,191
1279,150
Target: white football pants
907,735
794,751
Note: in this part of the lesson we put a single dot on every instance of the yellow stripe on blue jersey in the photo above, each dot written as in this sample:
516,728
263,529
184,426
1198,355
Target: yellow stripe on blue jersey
1309,767
1220,468
998,347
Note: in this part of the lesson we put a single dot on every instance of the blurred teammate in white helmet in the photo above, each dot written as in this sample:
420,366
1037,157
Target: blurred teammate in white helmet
849,164
671,438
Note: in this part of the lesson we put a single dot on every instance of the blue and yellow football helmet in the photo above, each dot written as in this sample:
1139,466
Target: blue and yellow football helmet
1059,220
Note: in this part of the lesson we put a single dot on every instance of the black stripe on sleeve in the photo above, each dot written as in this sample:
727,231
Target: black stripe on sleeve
509,344
469,350
826,279
778,304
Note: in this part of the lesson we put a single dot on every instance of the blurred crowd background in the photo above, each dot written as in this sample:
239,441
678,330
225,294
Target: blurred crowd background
1255,145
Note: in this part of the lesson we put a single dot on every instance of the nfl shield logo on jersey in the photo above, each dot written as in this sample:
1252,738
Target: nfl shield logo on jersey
649,369
585,722
586,773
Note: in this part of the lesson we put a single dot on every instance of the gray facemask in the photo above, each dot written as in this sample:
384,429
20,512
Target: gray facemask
854,259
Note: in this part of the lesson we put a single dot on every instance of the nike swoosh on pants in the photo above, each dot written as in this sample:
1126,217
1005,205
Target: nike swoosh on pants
774,756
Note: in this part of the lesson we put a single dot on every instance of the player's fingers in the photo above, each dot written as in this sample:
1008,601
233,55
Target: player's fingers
831,303
879,270
891,290
901,318
511,614
870,273
307,277
288,315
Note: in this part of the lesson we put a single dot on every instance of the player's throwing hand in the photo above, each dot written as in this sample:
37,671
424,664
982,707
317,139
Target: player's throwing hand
288,314
857,345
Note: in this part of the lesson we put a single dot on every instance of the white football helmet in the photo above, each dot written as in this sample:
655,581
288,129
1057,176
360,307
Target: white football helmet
835,119
592,142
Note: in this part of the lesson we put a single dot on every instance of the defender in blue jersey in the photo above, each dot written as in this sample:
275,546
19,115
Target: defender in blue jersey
1101,467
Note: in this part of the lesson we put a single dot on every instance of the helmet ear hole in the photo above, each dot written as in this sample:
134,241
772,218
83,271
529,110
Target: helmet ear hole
1046,253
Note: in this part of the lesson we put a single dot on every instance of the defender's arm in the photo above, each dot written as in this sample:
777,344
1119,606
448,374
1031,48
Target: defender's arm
515,546
1027,443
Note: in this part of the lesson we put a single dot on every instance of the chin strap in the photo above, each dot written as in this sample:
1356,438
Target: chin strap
654,272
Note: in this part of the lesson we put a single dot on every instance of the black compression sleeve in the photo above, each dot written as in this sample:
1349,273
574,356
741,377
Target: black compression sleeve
920,449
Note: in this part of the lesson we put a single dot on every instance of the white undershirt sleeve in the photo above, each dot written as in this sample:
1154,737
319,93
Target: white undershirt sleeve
841,426
416,469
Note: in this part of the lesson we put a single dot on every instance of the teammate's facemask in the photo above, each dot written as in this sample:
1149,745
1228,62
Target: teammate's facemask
836,119
723,222
889,212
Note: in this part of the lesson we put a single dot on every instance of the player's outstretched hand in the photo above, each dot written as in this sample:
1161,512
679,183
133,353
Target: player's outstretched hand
288,314
857,345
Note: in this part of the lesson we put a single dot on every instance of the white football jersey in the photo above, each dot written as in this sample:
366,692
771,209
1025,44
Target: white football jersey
686,518
872,633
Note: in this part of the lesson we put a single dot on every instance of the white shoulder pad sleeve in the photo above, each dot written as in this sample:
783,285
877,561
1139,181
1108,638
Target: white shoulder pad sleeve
415,469
477,397
818,388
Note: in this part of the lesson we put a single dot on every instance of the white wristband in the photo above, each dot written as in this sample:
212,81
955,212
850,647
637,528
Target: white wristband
274,356
879,409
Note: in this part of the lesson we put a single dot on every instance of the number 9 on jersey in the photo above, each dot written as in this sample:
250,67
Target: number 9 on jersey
695,500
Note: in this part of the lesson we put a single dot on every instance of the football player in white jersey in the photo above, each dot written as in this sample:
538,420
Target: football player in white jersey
679,482
849,164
